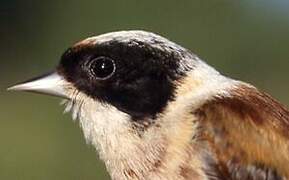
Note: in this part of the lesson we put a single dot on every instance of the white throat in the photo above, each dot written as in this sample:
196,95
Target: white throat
111,132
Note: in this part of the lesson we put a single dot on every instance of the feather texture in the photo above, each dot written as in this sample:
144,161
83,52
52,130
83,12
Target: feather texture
247,132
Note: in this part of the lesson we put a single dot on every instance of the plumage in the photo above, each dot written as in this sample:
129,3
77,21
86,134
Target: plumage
248,133
154,110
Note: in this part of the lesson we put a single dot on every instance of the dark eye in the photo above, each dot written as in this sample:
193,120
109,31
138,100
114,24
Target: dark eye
101,67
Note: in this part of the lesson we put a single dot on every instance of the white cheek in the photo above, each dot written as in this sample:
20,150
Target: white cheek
102,124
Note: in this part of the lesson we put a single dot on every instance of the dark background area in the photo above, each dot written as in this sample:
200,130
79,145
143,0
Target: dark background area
247,40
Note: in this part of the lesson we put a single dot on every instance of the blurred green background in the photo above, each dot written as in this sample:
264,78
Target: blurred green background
247,40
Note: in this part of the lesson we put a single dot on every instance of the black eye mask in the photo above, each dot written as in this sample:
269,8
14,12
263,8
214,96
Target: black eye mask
137,78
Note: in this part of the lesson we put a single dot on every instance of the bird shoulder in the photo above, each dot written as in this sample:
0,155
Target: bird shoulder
247,131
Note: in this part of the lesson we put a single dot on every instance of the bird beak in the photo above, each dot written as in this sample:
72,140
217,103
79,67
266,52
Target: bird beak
50,84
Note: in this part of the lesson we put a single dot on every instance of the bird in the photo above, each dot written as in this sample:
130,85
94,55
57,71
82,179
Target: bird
155,110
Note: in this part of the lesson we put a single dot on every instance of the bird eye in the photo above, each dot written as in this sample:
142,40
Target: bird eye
101,67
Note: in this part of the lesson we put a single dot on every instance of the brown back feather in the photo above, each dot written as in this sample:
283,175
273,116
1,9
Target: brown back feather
247,132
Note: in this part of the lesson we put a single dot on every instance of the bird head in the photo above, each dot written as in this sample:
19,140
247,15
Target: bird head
136,72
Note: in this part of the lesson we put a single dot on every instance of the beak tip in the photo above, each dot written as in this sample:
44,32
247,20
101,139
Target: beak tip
14,88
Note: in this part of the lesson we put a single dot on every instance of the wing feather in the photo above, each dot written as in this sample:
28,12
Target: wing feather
248,133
